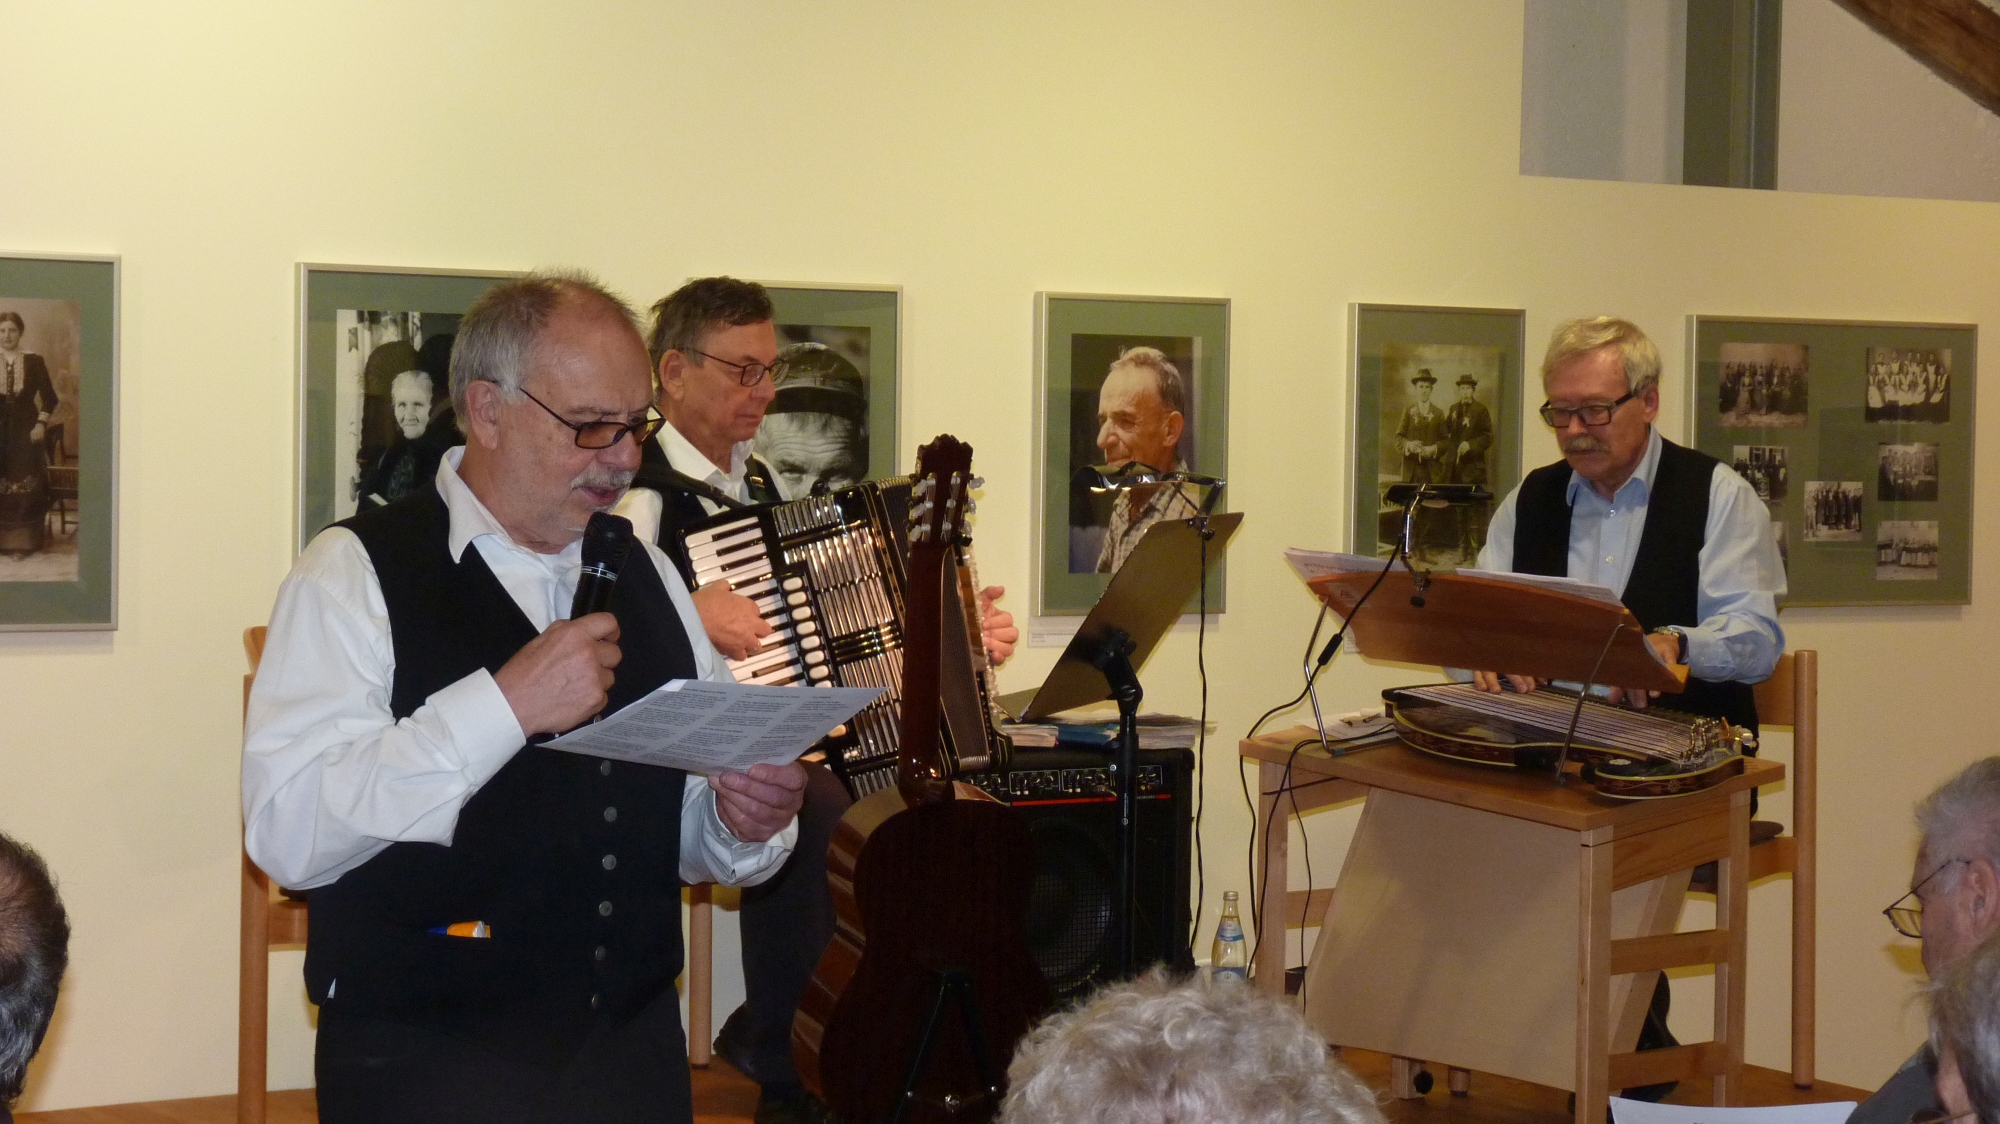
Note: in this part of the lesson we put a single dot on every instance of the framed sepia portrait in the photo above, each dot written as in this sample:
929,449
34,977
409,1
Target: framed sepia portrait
1436,399
1874,421
58,443
833,421
1123,380
375,411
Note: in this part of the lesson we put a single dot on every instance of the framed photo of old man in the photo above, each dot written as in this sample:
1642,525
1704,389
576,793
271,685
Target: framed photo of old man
1875,422
1436,400
58,443
375,414
833,421
1132,419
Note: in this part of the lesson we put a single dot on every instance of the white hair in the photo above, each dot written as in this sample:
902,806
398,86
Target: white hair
1161,1050
1965,1019
1961,818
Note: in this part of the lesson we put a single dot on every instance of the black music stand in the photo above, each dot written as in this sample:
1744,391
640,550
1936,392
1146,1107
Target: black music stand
1146,596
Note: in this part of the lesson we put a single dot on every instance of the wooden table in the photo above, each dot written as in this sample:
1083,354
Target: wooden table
1608,845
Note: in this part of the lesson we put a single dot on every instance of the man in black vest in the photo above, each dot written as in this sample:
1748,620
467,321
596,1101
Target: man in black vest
496,925
714,349
1682,539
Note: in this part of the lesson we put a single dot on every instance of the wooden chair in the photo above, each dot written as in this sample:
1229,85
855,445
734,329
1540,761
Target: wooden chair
62,482
271,919
1790,697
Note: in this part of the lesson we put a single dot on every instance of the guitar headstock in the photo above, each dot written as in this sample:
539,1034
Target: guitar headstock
940,499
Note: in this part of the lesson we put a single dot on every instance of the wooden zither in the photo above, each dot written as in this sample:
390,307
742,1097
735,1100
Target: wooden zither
831,575
928,982
1626,754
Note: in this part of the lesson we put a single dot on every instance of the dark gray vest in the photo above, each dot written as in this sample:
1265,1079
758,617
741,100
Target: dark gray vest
1665,584
573,863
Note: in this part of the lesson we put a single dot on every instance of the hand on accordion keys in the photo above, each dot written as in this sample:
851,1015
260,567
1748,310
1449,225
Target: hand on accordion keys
733,622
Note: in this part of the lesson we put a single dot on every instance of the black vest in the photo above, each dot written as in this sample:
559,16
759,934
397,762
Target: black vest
1665,584
574,863
681,508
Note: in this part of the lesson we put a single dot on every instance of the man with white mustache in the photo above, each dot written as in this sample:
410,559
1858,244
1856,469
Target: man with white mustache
1683,539
495,924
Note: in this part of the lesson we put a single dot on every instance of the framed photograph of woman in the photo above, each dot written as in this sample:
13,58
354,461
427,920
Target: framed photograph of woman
374,398
58,442
833,421
1139,384
1436,400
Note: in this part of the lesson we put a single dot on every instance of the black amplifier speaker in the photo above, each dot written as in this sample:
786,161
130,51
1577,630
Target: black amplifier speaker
1066,798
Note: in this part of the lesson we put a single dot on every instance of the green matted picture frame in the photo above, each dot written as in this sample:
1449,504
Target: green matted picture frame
1077,336
59,444
356,323
831,336
1400,434
1858,436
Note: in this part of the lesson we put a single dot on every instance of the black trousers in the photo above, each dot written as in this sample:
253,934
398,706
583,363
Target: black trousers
786,923
378,1071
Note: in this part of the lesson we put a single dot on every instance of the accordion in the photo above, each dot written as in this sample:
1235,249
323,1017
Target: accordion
1626,754
830,574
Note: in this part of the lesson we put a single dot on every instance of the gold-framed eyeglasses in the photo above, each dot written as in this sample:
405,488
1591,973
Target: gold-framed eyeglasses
1909,919
1941,1116
1592,413
748,374
603,434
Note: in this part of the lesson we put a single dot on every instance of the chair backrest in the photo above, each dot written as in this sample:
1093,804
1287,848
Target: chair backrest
53,436
253,647
1777,697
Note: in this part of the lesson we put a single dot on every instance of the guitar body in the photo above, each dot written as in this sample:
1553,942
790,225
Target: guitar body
928,982
917,890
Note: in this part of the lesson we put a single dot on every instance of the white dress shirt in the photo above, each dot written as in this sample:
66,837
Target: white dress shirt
330,778
643,506
1742,580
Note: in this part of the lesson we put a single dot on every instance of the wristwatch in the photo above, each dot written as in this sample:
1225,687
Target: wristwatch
1680,636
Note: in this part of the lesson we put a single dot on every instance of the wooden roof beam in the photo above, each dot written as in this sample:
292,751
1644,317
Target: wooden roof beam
1958,39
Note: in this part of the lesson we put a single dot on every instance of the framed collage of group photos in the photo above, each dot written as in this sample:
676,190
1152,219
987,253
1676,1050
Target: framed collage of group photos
58,443
833,421
1858,437
1122,379
375,411
1436,400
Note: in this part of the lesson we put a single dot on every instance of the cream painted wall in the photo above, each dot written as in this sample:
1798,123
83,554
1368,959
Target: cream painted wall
1293,157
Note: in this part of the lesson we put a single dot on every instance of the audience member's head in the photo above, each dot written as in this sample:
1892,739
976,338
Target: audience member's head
1956,881
1162,1050
1965,1034
34,949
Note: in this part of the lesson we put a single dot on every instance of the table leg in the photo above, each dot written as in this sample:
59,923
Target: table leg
1272,873
1593,985
1732,916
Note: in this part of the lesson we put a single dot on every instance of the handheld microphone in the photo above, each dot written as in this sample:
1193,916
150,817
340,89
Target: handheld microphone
607,539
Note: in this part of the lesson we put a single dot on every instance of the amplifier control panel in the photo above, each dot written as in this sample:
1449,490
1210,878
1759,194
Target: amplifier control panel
1093,783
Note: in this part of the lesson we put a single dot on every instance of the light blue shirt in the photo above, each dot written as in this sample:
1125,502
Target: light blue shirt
1742,581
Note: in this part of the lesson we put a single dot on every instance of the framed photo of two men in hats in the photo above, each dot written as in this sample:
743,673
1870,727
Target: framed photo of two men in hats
1437,400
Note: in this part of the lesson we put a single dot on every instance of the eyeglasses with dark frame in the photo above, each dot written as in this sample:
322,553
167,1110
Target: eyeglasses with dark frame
748,374
602,434
1909,919
1594,413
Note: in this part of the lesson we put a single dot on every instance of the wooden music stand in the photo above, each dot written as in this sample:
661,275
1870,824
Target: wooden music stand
1497,625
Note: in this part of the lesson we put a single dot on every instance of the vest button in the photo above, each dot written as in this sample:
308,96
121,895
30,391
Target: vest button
610,862
604,909
604,768
610,815
596,1001
598,953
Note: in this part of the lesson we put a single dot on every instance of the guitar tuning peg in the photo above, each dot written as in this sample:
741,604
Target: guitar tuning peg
976,483
971,505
